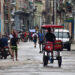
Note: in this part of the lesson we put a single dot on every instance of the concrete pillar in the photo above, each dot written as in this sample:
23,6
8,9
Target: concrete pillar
74,27
2,17
55,9
70,28
73,11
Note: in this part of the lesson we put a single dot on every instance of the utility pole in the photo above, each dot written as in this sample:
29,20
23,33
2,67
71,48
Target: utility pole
9,22
54,11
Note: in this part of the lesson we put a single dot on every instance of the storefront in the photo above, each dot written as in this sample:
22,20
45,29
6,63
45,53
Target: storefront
0,22
0,16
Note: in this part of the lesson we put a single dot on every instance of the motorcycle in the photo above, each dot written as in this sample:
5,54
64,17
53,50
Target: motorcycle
4,52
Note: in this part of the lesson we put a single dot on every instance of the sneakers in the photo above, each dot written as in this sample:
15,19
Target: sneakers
34,46
40,52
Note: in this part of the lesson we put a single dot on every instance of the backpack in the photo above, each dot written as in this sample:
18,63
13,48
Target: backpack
35,37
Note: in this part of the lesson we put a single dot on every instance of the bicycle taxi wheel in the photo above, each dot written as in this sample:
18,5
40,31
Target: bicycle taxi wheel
48,48
58,48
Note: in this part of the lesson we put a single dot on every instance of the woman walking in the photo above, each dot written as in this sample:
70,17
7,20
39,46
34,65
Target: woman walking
13,44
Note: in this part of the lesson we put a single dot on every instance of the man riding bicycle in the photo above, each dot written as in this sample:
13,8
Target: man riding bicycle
50,37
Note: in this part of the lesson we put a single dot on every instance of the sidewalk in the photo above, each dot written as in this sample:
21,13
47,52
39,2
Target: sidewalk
73,46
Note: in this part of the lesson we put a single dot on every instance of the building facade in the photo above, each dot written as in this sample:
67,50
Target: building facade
49,13
7,16
38,13
24,15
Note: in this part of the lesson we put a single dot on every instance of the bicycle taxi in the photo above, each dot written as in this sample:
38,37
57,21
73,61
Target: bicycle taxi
49,48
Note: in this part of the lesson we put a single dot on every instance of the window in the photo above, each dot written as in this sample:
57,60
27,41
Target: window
38,1
62,34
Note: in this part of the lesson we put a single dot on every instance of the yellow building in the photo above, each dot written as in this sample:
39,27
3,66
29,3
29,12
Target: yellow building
38,13
21,4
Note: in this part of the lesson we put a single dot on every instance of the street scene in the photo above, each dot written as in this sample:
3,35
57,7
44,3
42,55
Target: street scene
30,62
37,37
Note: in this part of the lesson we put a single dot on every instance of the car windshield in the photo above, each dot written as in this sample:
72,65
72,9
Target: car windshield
61,34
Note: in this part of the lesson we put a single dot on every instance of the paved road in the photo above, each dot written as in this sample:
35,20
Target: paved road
30,63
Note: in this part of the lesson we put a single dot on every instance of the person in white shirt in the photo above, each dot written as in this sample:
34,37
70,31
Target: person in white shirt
35,36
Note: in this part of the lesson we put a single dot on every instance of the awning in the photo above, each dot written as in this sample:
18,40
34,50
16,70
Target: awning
51,26
69,20
32,30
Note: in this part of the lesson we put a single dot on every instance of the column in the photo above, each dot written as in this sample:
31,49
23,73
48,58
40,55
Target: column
74,26
2,17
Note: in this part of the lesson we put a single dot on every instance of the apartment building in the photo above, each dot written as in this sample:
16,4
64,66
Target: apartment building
24,15
38,13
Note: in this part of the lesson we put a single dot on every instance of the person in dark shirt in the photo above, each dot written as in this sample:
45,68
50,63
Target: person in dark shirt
50,36
1,47
40,39
13,44
5,40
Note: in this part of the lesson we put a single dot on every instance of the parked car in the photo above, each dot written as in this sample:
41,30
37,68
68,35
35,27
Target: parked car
65,37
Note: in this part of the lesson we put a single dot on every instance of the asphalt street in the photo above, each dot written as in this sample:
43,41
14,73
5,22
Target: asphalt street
30,62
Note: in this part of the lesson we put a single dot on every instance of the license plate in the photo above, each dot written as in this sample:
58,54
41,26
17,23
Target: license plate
48,46
55,53
6,49
46,53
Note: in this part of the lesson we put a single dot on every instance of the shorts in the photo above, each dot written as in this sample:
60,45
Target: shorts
40,42
14,48
34,41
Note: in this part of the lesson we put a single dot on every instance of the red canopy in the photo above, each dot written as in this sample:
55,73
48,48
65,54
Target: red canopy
52,26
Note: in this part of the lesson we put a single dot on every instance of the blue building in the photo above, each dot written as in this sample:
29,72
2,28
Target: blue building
0,22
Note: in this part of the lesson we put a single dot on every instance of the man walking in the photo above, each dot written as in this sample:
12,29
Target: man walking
40,39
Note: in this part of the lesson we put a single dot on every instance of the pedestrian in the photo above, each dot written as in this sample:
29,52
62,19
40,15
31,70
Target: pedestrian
1,47
25,37
50,36
35,36
9,45
10,35
5,45
5,40
13,44
40,39
22,36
